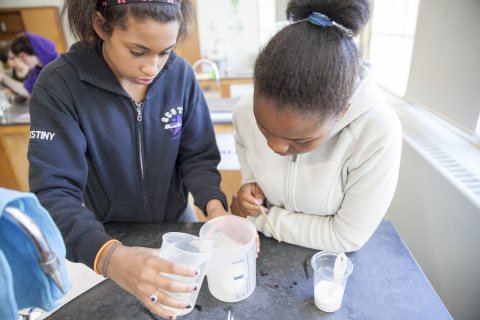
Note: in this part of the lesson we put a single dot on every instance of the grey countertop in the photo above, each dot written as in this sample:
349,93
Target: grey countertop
386,283
234,75
9,111
220,111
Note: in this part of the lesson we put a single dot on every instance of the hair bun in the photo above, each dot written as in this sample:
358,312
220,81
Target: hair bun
352,14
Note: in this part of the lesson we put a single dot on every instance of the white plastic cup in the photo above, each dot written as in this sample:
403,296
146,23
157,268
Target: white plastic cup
328,292
231,274
190,250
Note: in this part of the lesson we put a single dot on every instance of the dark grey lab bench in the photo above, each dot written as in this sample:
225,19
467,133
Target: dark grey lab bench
386,283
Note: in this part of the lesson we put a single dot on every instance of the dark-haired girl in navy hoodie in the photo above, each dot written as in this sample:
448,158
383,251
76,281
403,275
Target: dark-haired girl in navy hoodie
120,131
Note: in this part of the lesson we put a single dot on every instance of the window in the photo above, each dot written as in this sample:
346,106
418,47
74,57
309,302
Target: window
391,43
427,53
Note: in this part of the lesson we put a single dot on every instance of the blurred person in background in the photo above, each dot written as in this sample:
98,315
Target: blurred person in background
36,52
15,69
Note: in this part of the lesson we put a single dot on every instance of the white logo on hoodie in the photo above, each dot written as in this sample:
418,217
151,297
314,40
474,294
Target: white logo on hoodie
42,135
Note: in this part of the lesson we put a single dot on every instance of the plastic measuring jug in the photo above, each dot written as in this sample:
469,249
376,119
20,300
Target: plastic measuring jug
231,274
187,249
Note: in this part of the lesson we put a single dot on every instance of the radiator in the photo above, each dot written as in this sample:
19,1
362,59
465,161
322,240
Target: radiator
436,210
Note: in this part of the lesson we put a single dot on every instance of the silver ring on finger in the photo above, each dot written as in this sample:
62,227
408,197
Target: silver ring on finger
153,297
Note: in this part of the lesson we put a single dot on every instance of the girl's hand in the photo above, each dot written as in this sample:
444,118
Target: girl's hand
137,270
248,199
215,209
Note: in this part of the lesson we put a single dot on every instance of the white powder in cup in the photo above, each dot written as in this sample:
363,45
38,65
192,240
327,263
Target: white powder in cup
326,299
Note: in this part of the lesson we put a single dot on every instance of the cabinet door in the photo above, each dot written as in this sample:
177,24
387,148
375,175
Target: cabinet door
45,21
190,47
10,25
13,157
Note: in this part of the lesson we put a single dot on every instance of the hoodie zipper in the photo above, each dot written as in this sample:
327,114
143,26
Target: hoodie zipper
139,119
291,183
146,206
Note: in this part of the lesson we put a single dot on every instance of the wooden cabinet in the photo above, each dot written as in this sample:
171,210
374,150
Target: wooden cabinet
190,47
13,157
10,25
44,21
225,84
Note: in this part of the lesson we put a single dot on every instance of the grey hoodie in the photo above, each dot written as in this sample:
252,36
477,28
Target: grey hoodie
334,197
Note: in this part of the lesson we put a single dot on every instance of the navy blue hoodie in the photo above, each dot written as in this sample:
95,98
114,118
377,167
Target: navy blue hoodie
91,144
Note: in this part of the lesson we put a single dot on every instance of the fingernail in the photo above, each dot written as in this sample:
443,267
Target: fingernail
257,203
265,210
260,200
188,306
197,272
196,287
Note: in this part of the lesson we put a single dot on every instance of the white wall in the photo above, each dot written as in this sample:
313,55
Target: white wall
440,227
236,27
280,6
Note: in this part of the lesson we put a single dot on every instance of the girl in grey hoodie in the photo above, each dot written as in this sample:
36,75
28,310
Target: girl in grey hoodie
317,144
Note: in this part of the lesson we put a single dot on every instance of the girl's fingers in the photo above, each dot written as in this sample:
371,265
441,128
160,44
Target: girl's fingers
258,193
177,268
251,208
250,198
165,300
159,310
161,286
167,284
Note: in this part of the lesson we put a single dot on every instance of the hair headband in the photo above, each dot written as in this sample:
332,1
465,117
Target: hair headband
108,3
322,20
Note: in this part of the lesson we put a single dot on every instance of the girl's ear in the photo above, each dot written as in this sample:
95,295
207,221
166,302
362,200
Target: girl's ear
341,114
98,22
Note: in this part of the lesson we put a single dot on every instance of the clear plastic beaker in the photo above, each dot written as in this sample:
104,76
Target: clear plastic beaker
328,290
190,250
231,274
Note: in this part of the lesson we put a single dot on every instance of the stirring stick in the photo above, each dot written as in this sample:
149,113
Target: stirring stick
271,227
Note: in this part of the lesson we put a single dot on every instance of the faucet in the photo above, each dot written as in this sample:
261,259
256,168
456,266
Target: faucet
48,260
212,64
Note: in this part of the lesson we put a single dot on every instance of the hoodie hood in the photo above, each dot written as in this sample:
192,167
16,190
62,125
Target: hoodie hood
371,95
44,48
